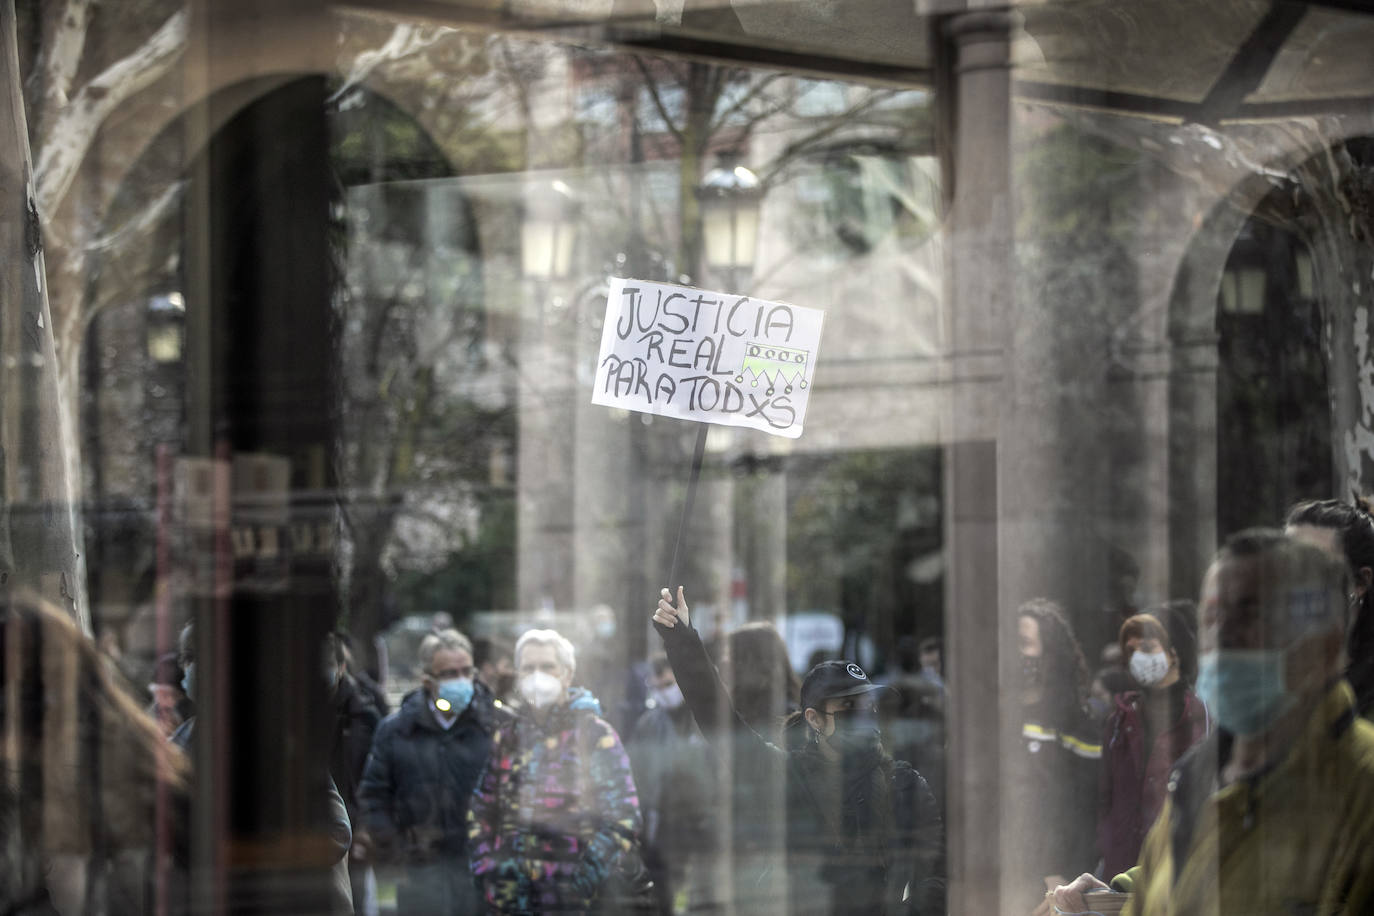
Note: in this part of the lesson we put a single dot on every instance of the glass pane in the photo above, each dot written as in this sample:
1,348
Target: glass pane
993,382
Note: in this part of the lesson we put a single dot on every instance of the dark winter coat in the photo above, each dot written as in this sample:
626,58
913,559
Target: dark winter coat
1135,777
355,722
672,767
419,778
1052,778
855,842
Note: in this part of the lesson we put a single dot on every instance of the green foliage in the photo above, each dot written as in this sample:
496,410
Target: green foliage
479,576
862,530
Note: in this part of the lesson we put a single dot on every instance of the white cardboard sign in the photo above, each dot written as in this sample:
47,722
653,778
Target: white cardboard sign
720,358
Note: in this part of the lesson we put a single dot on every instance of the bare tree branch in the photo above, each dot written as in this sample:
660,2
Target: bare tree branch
404,41
116,247
754,92
61,55
748,129
652,86
803,145
71,132
137,226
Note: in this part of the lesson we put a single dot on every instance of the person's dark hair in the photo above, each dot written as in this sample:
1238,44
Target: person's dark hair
930,643
1066,671
1114,680
167,672
489,648
658,664
762,683
1355,523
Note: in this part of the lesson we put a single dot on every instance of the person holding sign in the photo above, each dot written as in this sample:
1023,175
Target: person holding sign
862,832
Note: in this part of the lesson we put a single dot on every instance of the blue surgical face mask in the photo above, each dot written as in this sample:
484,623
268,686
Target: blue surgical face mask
188,680
457,693
1244,689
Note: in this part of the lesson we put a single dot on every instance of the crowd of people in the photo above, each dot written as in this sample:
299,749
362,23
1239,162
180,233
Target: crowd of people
1216,762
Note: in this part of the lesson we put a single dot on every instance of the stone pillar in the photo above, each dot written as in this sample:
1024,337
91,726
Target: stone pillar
261,360
974,86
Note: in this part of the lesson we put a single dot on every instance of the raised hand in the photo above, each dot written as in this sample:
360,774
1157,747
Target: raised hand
666,614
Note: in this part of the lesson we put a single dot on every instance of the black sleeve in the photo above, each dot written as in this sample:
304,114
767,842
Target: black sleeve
377,791
716,717
920,854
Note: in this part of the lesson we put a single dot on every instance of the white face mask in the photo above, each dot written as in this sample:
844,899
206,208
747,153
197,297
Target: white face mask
541,689
1149,668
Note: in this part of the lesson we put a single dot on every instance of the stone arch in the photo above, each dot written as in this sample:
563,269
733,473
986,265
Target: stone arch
1191,330
131,397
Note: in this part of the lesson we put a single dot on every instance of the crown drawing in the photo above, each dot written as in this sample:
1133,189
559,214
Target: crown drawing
785,366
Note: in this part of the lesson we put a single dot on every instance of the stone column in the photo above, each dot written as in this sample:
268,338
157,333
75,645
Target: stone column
261,361
974,86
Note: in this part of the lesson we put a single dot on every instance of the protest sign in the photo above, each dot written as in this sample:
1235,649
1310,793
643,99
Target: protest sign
713,357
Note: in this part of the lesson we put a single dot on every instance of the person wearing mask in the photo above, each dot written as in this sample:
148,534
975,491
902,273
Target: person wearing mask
492,656
169,705
673,772
1053,773
1148,731
1274,811
355,722
555,816
862,832
1347,531
186,659
425,760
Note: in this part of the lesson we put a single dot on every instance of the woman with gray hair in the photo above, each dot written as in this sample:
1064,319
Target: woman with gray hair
556,813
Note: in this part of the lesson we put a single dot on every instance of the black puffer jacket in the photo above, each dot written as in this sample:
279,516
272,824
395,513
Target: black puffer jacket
419,778
355,723
856,842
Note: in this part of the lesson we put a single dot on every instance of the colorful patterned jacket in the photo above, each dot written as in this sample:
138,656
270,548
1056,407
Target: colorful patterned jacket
552,814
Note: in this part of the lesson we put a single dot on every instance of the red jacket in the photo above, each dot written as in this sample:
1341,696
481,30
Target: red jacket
1132,785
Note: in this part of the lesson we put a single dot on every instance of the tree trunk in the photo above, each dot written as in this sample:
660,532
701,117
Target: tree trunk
367,592
40,539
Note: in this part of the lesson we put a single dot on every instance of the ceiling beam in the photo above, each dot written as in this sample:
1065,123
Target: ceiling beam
1250,63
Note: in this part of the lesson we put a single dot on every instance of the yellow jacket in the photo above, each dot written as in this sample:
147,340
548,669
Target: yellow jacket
1296,839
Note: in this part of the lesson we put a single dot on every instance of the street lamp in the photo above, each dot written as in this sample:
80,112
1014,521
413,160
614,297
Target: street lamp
548,231
166,326
730,196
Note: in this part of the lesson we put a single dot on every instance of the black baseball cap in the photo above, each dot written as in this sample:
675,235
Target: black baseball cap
830,680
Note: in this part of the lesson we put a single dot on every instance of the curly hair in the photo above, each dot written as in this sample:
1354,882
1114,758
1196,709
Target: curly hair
1066,671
